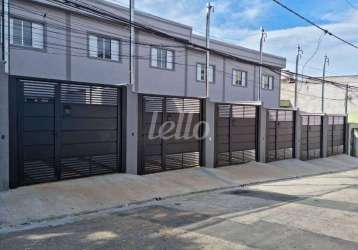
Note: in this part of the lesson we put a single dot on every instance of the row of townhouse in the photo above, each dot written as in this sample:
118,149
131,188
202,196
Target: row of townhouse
73,112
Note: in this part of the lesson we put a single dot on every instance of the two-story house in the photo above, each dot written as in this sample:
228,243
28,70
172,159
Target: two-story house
73,112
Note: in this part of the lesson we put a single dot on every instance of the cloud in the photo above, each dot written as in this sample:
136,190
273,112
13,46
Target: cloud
239,21
187,12
252,10
284,42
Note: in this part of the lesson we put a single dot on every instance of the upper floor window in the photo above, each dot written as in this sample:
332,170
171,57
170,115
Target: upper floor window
267,82
103,47
201,72
239,78
26,33
162,58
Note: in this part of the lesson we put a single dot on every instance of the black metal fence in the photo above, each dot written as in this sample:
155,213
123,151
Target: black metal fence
336,135
311,136
62,130
65,130
235,134
179,147
280,137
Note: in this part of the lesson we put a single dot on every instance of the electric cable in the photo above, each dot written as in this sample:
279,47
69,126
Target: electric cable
315,25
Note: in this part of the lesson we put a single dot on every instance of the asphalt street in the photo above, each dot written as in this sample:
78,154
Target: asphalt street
318,212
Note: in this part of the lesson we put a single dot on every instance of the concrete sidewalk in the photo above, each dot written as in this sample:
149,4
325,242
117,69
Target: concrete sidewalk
61,199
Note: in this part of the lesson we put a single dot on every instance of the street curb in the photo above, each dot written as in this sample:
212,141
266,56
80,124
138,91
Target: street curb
68,218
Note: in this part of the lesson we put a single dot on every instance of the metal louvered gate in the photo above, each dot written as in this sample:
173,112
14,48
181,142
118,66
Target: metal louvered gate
66,130
170,133
235,134
280,135
311,137
336,135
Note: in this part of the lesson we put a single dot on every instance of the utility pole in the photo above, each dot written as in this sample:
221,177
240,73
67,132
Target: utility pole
262,40
326,63
298,57
346,100
210,8
131,44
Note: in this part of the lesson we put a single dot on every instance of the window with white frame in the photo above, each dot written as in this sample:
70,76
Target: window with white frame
239,78
201,72
267,82
103,48
26,33
161,58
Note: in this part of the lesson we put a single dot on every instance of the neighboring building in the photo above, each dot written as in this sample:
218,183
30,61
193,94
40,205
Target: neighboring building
310,92
72,112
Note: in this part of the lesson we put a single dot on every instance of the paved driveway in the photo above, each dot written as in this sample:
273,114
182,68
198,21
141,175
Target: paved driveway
318,212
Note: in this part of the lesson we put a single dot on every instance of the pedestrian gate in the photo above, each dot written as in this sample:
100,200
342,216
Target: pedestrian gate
336,135
311,137
235,134
170,133
65,130
280,135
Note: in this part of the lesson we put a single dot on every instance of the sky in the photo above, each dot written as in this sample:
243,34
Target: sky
239,22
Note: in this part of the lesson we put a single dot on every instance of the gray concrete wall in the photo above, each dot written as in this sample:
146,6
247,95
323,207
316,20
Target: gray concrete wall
348,138
325,137
234,92
198,88
48,63
66,58
309,97
86,69
262,134
242,52
4,131
210,139
298,133
66,55
270,98
132,132
160,81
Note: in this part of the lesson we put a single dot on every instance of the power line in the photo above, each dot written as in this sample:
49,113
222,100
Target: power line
112,17
314,24
229,74
320,39
189,65
351,4
315,80
314,96
75,30
313,68
61,48
320,80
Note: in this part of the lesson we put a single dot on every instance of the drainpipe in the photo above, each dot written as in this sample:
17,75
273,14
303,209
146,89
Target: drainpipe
131,44
5,34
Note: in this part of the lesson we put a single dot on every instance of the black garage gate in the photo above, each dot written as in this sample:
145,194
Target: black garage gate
170,136
311,137
280,142
336,135
64,130
236,131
